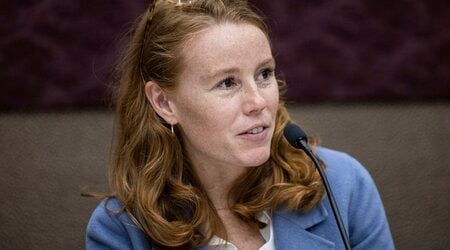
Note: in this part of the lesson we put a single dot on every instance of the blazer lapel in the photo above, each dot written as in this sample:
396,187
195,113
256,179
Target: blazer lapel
290,229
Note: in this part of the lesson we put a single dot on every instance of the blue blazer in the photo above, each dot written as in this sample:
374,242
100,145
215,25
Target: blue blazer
356,196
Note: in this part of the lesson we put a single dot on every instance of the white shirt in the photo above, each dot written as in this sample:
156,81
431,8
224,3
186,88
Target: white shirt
266,233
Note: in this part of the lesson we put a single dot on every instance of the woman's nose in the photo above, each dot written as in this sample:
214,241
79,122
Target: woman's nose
253,99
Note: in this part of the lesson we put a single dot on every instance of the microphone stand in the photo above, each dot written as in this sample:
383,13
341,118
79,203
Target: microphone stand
303,145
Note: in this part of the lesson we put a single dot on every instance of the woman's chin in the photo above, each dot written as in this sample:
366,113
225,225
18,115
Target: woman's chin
256,159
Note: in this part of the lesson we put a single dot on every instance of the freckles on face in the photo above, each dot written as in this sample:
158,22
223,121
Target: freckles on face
226,99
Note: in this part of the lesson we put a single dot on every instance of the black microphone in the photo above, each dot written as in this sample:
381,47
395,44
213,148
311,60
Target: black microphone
298,139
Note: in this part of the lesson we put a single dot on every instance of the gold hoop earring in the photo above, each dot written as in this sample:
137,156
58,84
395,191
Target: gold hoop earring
171,128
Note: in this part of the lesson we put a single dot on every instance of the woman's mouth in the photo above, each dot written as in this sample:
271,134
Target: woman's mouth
256,134
255,130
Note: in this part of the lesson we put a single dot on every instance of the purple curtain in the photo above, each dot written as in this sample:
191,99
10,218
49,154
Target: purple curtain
61,53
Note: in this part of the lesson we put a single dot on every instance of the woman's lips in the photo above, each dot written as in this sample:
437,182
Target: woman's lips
255,134
256,130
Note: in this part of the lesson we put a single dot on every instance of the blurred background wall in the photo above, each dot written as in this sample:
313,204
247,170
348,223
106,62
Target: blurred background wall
371,78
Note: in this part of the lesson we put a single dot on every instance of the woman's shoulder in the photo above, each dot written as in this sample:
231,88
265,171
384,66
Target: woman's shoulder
350,181
343,170
359,204
111,228
338,158
108,212
358,200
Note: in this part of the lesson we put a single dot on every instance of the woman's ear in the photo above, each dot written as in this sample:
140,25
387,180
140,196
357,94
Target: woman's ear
160,102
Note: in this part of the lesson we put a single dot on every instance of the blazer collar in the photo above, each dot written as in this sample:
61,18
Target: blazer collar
291,229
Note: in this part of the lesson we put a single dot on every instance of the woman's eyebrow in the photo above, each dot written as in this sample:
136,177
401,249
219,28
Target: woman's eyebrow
216,73
267,62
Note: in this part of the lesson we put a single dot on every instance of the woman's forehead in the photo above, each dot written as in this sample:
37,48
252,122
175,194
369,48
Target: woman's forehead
224,46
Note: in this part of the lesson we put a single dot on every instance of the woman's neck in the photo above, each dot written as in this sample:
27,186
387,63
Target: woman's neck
217,182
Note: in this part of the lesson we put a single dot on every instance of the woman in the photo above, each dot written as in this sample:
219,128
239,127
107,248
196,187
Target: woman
201,160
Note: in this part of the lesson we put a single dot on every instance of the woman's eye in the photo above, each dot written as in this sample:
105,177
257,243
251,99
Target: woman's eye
227,83
265,74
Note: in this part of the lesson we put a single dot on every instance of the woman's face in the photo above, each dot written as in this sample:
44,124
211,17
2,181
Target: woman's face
226,99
